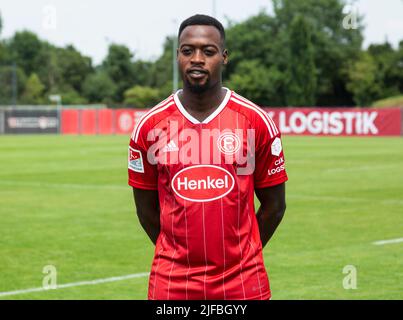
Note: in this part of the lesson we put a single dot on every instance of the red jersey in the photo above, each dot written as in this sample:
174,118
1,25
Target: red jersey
206,172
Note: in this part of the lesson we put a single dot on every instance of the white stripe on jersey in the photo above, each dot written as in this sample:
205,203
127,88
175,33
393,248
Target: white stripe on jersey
157,109
147,113
266,118
258,109
239,236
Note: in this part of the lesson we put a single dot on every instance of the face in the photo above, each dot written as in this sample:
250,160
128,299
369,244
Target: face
200,57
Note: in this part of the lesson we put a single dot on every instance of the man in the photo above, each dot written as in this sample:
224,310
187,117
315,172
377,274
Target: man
195,161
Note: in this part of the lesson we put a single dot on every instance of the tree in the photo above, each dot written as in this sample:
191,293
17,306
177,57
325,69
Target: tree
301,75
119,67
141,97
254,39
99,87
33,92
252,79
6,82
74,67
162,69
399,65
1,24
362,80
71,96
334,46
26,50
389,71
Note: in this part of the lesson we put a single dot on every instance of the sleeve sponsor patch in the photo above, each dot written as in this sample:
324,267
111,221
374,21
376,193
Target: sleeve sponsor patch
135,160
276,147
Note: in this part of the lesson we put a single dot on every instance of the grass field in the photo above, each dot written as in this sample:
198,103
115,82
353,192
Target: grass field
64,202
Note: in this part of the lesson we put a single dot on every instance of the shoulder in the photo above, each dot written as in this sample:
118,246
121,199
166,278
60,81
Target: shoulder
255,114
152,117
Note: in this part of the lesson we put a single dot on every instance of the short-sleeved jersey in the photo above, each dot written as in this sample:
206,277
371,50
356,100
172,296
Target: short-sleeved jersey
206,172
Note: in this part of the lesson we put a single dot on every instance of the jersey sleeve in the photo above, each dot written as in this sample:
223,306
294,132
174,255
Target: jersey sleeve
142,174
270,162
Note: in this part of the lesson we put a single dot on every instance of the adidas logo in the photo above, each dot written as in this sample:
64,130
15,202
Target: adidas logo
170,147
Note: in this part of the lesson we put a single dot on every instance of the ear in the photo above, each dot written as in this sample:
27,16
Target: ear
225,56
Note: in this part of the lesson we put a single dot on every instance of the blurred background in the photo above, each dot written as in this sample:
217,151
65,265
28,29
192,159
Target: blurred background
282,53
76,76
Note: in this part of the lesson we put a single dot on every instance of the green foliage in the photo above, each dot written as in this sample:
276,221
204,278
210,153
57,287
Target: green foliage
141,97
74,67
33,92
6,82
389,69
264,91
301,72
267,39
254,39
362,80
26,50
99,87
71,96
162,69
118,65
299,55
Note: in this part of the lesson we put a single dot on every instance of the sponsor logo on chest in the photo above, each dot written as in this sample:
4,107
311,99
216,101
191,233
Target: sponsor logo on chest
202,183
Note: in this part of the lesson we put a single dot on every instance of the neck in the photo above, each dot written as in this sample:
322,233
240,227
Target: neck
203,102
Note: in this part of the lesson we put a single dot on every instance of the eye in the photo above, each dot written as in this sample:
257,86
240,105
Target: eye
186,51
209,52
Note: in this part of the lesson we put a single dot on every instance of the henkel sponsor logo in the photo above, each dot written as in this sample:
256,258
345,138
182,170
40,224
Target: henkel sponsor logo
327,122
202,183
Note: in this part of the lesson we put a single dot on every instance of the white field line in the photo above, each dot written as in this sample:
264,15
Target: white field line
382,242
76,284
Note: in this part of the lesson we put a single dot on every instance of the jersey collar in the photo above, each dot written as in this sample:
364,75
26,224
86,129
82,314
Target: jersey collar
192,119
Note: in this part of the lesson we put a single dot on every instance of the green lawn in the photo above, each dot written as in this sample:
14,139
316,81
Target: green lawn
64,201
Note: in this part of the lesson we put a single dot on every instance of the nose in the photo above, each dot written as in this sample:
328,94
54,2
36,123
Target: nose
198,57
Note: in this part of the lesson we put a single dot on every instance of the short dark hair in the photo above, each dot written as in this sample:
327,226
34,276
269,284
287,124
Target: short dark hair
202,20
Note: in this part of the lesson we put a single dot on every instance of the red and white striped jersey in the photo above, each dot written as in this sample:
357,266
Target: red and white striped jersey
206,173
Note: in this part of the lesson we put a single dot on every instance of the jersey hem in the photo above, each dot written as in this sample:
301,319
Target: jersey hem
138,185
272,183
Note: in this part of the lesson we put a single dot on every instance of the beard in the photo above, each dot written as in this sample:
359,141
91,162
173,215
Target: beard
197,88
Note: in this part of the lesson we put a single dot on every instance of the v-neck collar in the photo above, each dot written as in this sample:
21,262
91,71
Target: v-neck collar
192,119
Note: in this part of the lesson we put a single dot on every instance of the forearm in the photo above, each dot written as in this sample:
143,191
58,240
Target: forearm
151,223
148,212
268,221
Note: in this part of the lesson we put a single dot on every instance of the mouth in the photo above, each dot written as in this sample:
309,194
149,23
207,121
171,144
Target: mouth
197,73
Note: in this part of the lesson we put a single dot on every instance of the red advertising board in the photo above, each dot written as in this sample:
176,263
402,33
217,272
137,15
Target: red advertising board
99,121
105,121
125,119
338,121
70,121
293,121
